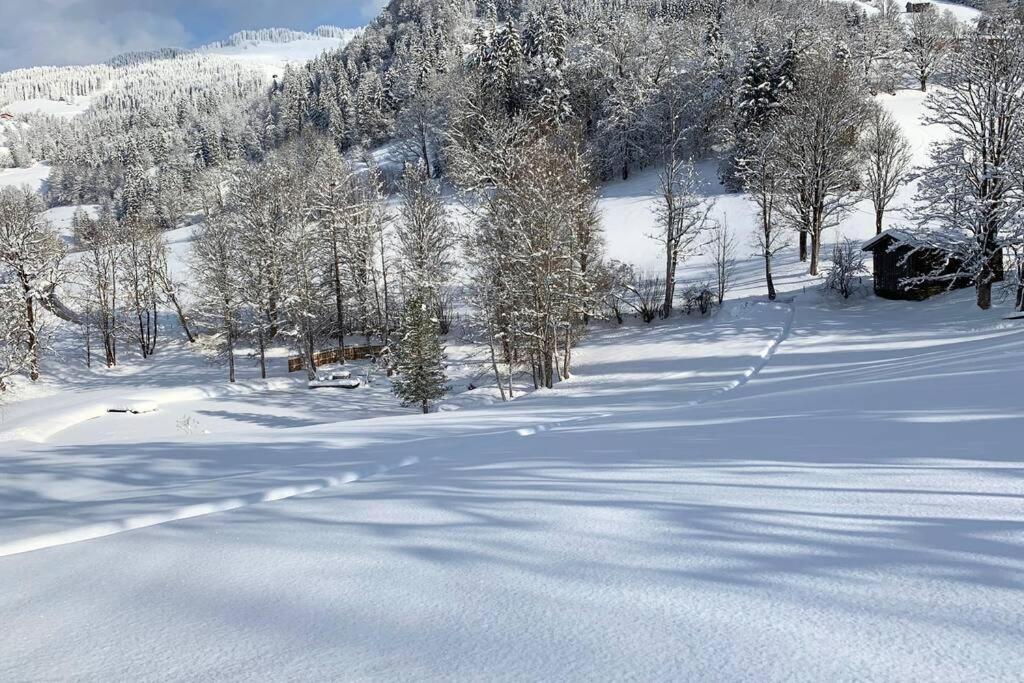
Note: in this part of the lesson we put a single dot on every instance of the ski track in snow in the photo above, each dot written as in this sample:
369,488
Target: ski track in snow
103,529
94,531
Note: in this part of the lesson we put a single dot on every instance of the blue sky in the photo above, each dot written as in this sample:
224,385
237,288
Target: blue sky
37,32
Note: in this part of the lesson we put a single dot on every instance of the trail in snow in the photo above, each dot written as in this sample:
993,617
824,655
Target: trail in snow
763,360
94,531
42,428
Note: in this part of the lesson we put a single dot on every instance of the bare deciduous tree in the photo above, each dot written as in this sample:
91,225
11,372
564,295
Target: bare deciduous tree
886,152
682,216
930,37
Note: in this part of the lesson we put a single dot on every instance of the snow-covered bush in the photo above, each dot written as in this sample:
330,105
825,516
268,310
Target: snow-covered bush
645,295
699,298
847,267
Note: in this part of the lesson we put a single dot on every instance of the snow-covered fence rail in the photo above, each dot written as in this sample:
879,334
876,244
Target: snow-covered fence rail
355,352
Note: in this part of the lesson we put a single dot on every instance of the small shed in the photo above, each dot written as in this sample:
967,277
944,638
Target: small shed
899,258
917,7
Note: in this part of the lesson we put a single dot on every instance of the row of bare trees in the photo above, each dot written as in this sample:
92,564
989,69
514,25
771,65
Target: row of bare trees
296,255
535,245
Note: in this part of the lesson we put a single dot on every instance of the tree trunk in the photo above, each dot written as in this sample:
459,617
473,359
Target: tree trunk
494,366
768,276
262,341
426,408
142,335
670,281
985,294
803,245
567,360
878,220
924,83
815,252
33,338
181,317
338,302
310,359
425,153
1020,285
231,357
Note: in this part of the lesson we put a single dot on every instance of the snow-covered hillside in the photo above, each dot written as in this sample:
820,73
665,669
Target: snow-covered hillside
272,56
784,500
69,92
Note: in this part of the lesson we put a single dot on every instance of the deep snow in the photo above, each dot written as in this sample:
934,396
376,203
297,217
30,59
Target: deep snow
850,509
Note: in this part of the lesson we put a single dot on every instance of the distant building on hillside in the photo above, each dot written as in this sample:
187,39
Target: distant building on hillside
916,7
905,269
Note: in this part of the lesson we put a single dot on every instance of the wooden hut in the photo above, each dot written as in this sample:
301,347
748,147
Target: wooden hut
917,7
899,260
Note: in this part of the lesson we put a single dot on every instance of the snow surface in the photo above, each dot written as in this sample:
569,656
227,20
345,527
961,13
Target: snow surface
272,57
808,491
961,12
62,109
34,176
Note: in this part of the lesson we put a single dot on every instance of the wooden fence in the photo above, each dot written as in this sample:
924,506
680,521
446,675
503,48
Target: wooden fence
355,352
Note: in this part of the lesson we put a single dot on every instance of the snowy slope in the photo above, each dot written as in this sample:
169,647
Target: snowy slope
271,58
62,109
267,57
34,176
761,496
628,207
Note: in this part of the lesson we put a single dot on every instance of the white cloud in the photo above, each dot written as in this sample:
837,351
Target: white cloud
57,32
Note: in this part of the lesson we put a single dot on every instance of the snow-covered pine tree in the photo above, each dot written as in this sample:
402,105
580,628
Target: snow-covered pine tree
420,358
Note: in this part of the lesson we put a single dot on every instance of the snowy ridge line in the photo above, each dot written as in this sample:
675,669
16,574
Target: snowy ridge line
39,431
102,529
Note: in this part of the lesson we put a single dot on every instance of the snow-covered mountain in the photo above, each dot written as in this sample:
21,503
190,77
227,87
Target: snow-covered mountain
68,92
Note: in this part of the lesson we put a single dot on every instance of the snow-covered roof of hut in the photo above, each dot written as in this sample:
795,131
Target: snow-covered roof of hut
889,236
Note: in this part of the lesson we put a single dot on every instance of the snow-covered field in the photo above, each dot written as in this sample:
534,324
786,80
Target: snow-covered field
785,491
34,176
61,108
271,58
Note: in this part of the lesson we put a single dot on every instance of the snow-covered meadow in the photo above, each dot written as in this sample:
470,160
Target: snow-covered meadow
791,490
